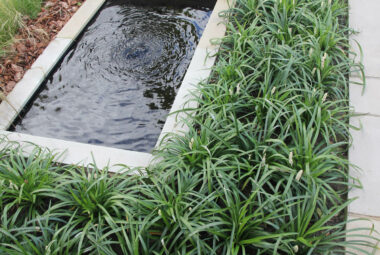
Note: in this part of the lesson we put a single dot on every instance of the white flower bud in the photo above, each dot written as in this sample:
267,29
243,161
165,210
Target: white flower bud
299,175
291,158
263,160
191,143
324,97
238,89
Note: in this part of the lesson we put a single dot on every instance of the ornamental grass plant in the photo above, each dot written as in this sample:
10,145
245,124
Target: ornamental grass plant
11,13
263,168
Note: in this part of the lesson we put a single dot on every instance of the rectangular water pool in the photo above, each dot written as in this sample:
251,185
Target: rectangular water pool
116,84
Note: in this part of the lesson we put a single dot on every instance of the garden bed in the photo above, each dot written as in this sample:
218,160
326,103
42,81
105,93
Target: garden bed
262,169
33,36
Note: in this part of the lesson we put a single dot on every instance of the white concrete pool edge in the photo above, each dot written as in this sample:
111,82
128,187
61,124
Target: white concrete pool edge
198,70
85,154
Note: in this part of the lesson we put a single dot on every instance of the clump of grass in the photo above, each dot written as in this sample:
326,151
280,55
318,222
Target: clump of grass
24,179
27,7
11,13
10,21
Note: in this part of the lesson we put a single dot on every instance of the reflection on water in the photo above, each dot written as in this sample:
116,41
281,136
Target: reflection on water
116,86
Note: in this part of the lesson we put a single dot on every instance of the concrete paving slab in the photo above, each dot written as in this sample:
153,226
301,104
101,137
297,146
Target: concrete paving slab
366,99
364,18
364,153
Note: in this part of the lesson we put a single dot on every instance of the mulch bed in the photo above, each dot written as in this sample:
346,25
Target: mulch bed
32,39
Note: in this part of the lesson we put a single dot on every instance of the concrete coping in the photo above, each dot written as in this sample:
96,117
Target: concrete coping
85,154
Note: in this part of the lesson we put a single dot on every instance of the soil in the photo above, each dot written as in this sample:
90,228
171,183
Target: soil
32,39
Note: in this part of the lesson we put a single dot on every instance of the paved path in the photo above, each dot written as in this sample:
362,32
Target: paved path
365,150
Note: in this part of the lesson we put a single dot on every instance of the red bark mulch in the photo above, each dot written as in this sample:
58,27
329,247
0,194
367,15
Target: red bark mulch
33,38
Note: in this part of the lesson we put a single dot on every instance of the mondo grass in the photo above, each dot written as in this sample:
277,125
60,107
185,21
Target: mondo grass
263,168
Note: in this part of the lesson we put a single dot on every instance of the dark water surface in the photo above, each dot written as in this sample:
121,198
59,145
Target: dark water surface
116,85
